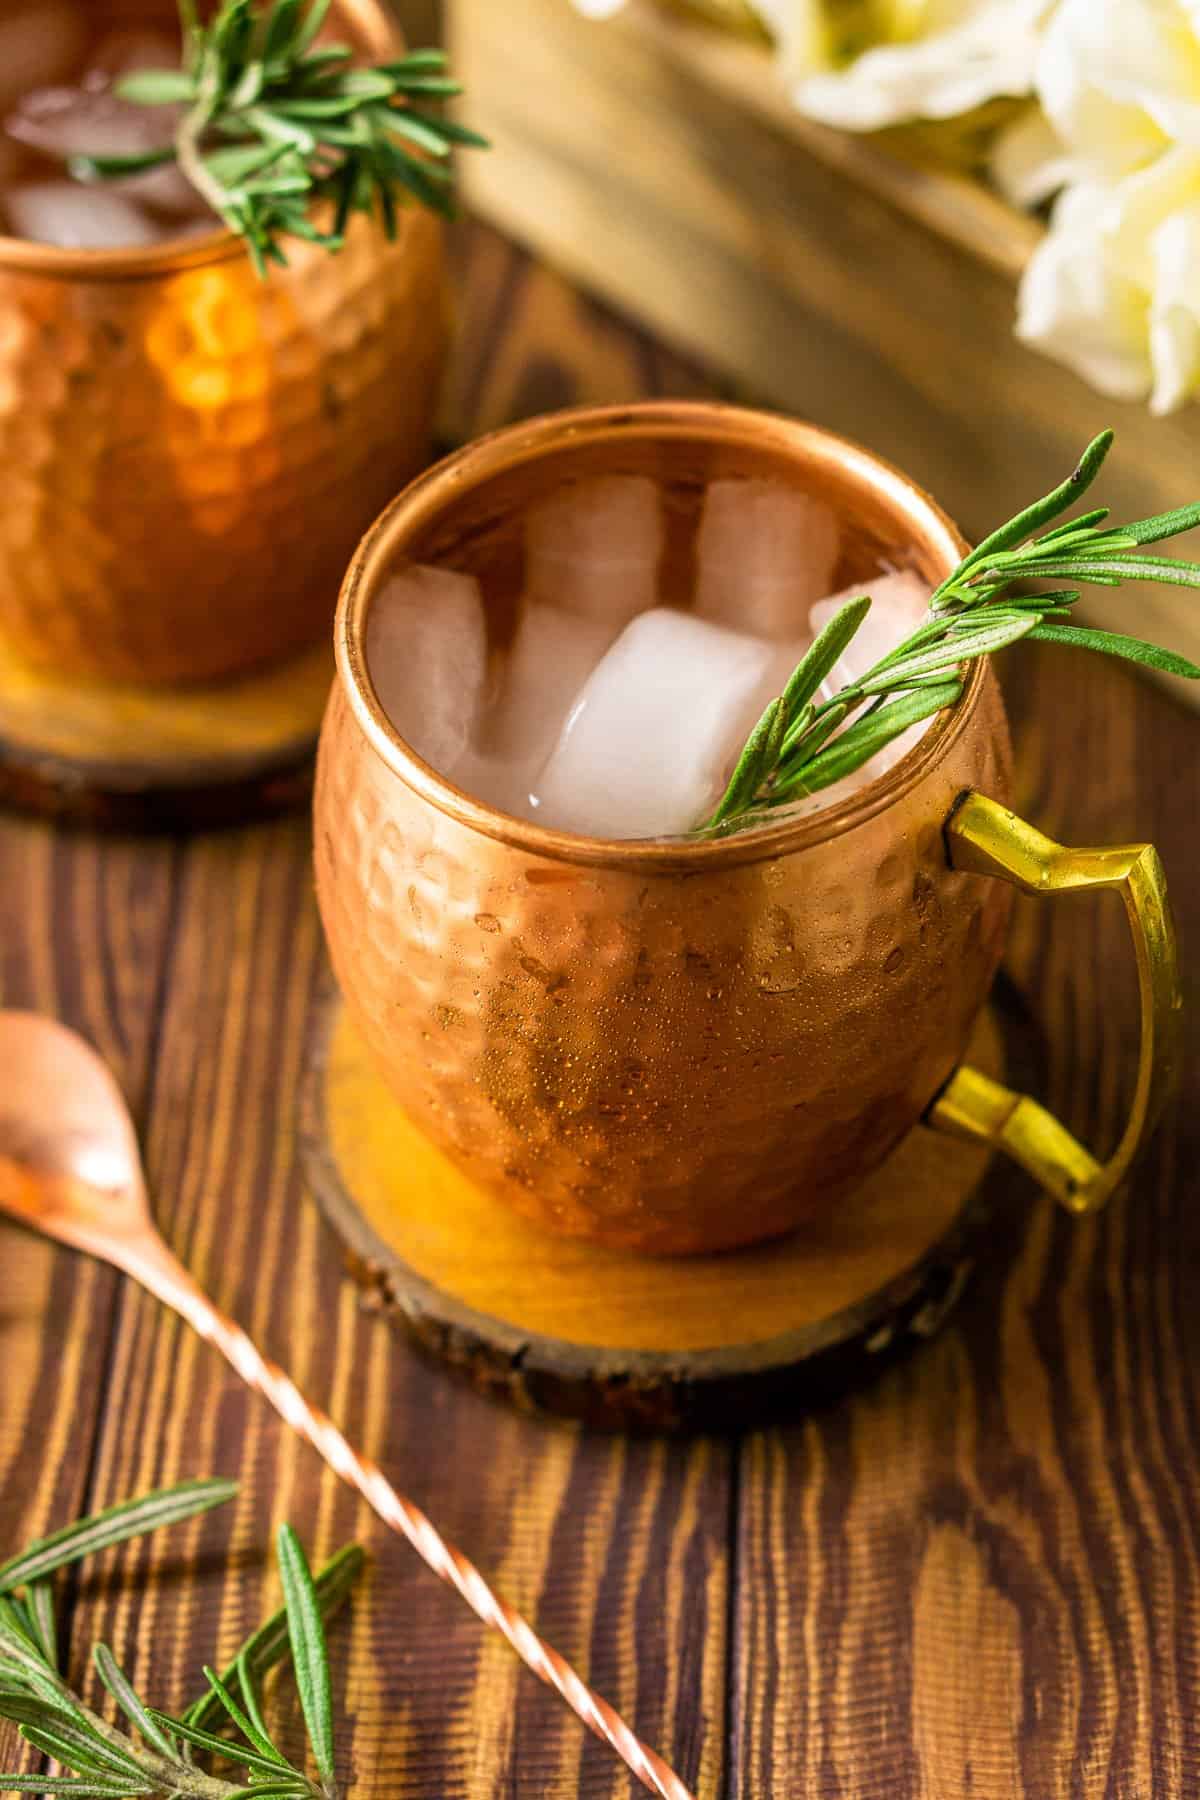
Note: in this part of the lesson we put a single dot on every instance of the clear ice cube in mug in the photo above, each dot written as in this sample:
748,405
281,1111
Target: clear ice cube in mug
616,706
58,100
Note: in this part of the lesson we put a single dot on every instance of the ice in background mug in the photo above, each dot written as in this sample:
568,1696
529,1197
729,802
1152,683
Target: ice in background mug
682,1047
190,454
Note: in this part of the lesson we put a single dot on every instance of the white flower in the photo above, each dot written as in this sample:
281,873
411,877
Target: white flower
1114,289
945,57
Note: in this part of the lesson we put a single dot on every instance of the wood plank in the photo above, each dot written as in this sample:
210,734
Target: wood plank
83,930
662,169
618,1551
983,1575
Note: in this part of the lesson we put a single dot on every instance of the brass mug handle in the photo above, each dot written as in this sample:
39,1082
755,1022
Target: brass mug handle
986,839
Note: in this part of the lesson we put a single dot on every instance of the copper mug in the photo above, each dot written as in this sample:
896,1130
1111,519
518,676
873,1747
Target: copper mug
191,454
681,1047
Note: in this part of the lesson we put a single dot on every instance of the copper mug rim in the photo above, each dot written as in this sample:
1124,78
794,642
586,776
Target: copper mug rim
499,450
145,262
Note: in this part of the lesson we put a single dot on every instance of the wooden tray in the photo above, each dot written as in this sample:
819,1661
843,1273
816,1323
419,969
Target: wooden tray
664,166
159,758
626,1341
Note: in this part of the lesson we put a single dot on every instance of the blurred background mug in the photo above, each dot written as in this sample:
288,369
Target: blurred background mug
682,1046
190,454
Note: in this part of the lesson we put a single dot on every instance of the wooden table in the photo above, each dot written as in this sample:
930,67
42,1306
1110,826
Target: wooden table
980,1577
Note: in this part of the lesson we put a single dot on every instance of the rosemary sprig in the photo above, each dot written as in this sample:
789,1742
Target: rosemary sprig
159,1759
804,743
274,123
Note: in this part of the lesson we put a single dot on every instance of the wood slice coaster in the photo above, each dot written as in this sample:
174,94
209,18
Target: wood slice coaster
618,1340
159,758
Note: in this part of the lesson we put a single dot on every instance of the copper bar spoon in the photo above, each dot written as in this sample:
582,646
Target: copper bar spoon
70,1167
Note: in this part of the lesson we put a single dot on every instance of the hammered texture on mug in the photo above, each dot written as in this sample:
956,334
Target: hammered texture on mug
669,1062
191,454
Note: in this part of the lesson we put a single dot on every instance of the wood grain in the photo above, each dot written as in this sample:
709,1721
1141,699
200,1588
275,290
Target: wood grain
83,934
981,1577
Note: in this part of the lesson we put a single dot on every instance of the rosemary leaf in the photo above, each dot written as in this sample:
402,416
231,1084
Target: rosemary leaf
39,1602
249,1728
1028,522
237,1754
864,739
752,765
982,640
119,1686
166,1506
309,1655
1111,643
823,653
269,1644
80,1786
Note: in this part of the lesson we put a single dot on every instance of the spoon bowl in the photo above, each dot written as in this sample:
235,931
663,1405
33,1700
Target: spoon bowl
69,1159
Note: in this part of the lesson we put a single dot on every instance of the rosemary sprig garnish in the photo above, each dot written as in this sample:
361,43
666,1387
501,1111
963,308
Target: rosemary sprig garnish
159,1759
274,123
803,744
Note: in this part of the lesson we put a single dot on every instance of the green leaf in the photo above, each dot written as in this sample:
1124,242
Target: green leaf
1082,522
237,1754
311,25
269,1644
75,1746
156,87
1111,643
114,168
408,125
1111,571
309,1654
823,653
1164,525
132,1518
39,1600
756,759
72,1784
809,741
984,639
249,1728
862,740
1030,520
122,1691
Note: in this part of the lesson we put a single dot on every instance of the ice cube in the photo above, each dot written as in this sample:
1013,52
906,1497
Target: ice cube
593,547
649,743
426,647
898,605
764,554
65,122
77,218
40,44
552,656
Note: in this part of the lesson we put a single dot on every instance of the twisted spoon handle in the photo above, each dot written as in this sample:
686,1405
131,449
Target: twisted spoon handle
150,1262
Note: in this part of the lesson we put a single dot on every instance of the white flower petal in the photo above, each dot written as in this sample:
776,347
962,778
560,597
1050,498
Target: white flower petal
991,51
1076,306
1120,79
1175,312
1029,161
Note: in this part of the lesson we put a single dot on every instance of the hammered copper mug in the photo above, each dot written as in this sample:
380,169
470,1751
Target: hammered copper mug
190,453
683,1046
